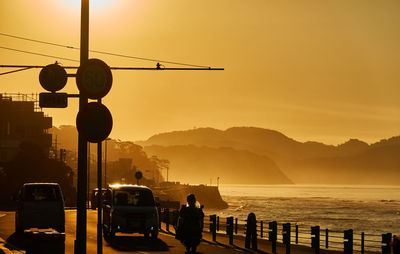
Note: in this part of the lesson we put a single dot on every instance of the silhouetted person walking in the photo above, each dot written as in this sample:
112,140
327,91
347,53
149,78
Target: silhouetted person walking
190,224
251,231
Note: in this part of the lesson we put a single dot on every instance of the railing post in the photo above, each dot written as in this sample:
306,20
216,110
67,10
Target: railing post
315,238
348,241
236,226
326,238
167,218
261,229
396,244
386,239
217,223
297,234
273,234
286,236
213,227
229,229
210,225
362,242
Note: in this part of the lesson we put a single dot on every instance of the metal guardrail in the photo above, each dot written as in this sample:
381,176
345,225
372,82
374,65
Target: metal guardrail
347,241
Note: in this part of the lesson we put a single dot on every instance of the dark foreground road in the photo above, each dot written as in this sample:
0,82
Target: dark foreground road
124,243
135,243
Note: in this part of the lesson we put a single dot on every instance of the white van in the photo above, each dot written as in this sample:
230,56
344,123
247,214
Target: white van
40,205
130,209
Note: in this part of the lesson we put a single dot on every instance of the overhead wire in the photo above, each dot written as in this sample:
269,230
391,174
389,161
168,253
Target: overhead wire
39,54
9,72
103,52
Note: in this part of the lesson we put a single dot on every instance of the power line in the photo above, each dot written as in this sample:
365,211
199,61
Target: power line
9,72
38,41
158,67
103,52
148,59
39,54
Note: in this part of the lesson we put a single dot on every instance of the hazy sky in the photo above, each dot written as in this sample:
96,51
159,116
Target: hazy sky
314,70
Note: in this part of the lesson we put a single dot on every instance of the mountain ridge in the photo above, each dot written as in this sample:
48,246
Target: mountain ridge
353,161
263,156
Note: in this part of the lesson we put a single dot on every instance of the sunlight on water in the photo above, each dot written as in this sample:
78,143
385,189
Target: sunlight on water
348,192
370,209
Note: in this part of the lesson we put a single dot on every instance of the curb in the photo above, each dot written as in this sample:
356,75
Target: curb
3,249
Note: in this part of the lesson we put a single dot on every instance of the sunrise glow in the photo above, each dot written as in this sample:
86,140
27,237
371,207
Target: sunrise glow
94,4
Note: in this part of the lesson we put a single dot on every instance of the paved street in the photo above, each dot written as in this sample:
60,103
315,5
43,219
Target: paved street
135,243
124,243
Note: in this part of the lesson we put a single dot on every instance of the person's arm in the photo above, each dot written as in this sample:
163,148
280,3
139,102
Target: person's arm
182,211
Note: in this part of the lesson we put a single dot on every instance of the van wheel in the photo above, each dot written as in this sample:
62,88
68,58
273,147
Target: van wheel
154,234
108,236
60,229
19,231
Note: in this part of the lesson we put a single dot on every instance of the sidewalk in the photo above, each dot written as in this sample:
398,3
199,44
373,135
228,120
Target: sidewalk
264,246
221,245
5,250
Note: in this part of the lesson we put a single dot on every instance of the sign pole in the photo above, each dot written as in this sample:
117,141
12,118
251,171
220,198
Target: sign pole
81,213
99,199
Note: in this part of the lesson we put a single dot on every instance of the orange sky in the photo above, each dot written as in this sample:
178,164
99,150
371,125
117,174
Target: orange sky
314,70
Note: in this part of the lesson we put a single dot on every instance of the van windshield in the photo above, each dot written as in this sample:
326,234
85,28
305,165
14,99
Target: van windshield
41,193
131,197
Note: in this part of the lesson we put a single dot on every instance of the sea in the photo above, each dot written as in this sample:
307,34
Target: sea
370,209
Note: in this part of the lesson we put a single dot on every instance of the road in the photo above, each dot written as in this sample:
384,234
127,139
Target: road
124,243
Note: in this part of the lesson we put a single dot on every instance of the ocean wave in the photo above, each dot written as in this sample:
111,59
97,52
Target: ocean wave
388,201
364,210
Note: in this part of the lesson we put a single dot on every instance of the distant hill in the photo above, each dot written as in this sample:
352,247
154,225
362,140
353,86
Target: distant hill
376,165
192,164
354,162
261,141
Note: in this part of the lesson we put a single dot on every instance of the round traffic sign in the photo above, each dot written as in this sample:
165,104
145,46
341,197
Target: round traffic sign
53,77
138,175
94,79
94,122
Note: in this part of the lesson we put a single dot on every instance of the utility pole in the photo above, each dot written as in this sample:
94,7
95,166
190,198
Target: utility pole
56,148
81,213
105,163
88,175
99,199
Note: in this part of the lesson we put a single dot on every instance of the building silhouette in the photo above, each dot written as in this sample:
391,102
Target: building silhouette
21,120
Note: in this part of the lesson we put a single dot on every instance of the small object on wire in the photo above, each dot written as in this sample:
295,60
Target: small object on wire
160,66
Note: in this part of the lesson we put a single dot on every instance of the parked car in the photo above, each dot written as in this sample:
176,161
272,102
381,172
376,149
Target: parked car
130,209
40,205
93,199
